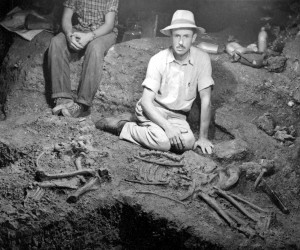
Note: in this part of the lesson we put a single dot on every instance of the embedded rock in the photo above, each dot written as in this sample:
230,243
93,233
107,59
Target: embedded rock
234,150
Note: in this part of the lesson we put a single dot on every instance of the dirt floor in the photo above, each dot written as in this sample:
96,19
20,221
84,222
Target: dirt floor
135,204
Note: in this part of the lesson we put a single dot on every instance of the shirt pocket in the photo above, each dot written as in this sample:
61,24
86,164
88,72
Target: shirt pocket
191,91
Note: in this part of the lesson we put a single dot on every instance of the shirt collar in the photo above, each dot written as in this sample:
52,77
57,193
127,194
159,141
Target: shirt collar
171,58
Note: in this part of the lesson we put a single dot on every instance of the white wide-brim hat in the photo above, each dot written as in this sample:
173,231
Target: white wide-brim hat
182,19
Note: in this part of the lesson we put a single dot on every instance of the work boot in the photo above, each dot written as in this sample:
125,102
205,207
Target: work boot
61,103
114,124
76,110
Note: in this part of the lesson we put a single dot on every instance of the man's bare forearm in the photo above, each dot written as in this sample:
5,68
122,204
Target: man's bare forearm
152,113
107,27
67,21
205,115
205,120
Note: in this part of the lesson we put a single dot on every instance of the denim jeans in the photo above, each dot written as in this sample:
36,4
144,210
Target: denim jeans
59,57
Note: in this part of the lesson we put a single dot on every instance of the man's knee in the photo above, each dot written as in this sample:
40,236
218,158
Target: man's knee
95,49
160,140
164,145
189,140
56,42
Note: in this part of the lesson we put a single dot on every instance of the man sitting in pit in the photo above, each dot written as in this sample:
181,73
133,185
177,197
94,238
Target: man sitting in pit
173,77
93,34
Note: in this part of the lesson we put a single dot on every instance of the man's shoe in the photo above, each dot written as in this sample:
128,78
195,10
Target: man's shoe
114,124
76,110
61,103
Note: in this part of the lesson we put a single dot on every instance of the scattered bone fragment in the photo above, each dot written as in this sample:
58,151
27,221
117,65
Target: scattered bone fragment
39,194
35,195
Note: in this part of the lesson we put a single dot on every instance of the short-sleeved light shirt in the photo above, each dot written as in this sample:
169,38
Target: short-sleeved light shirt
175,85
91,13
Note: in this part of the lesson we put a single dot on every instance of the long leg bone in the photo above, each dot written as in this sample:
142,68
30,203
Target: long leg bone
93,184
56,185
238,220
226,215
213,204
71,184
42,175
235,203
248,203
243,226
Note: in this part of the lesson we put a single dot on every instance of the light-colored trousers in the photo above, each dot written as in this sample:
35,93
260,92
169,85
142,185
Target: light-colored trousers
148,134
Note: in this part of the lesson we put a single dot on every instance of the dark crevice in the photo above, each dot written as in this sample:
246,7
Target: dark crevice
123,226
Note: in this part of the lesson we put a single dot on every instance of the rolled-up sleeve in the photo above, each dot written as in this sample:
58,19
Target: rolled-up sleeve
112,6
70,4
153,76
205,77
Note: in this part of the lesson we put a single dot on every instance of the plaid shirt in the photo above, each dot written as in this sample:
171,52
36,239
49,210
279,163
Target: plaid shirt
91,13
